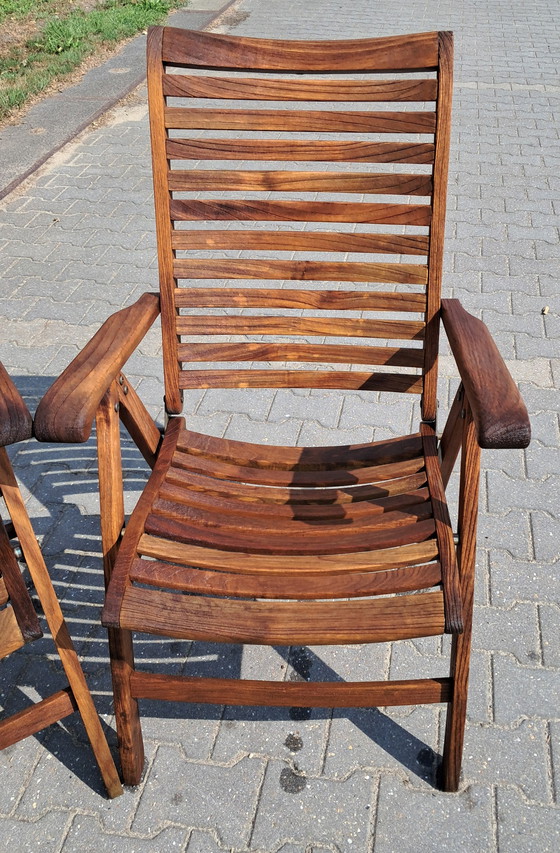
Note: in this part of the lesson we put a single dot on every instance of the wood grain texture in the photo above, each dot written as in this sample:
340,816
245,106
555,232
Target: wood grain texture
200,210
197,268
57,626
166,576
67,411
296,89
403,383
254,180
15,420
318,564
327,300
282,623
295,150
461,645
300,241
499,413
304,353
439,204
36,717
416,52
160,166
137,421
16,590
444,534
11,637
300,121
314,694
405,330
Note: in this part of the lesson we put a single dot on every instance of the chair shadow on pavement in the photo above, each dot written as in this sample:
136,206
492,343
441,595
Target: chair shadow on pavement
59,484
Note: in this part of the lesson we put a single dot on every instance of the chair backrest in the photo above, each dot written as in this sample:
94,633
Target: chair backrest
278,163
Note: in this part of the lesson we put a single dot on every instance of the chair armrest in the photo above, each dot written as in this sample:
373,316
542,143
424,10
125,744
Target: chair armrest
499,413
15,420
67,411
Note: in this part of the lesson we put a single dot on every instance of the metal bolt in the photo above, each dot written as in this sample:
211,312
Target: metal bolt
117,407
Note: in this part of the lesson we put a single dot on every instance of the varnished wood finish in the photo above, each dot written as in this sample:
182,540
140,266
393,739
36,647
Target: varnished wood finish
300,150
314,694
59,705
111,506
294,89
302,271
15,420
240,180
241,543
345,127
67,411
21,605
295,121
282,623
306,353
299,241
37,717
461,644
499,412
444,533
416,52
439,202
328,300
137,421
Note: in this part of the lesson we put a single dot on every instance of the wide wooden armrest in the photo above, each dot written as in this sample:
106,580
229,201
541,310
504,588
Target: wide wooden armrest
67,411
499,413
15,420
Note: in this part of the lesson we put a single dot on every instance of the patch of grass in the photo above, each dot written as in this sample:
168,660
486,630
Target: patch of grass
62,43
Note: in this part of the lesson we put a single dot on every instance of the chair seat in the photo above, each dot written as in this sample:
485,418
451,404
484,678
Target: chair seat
245,543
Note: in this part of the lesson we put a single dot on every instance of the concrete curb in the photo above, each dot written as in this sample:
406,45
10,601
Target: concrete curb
56,120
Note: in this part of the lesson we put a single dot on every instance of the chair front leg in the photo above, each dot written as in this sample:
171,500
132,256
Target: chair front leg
111,501
461,644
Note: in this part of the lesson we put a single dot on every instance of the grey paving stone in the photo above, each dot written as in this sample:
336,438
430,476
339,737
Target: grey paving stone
45,834
433,821
190,794
87,836
515,631
296,809
522,691
404,740
517,756
273,733
549,615
203,842
525,827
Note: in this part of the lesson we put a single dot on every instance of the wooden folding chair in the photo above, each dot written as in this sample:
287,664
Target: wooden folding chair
18,621
238,543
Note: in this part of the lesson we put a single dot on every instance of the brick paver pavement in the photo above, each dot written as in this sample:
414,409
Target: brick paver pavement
76,243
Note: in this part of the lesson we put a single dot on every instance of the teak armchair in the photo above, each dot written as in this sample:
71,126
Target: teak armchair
18,620
237,543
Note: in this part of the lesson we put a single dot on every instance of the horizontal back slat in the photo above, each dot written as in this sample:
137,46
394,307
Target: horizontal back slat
414,52
304,353
330,379
262,89
304,121
241,180
329,300
300,270
349,164
252,210
301,241
407,330
302,150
